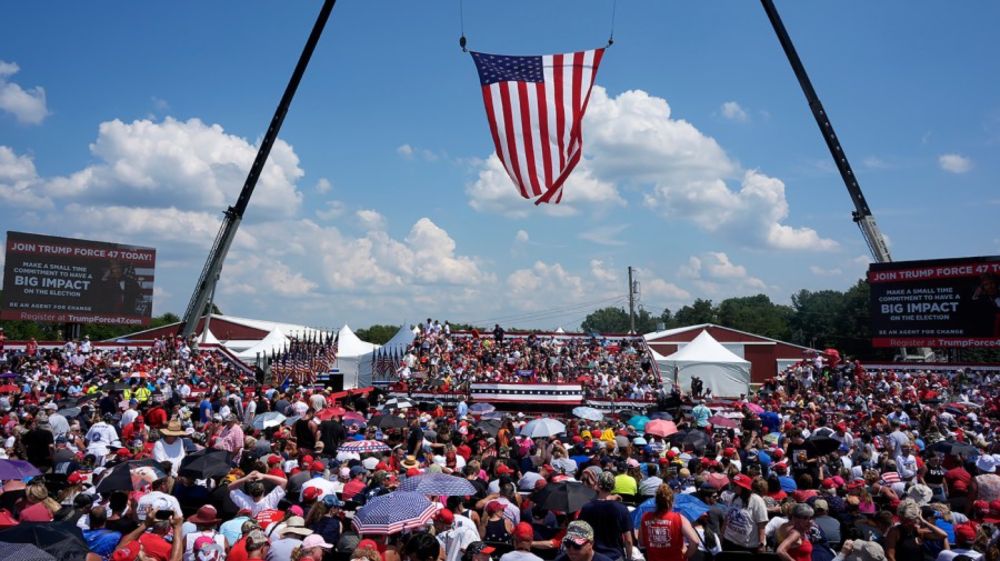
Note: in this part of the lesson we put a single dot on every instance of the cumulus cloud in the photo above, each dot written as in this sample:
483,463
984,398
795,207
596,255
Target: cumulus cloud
734,112
632,139
825,272
543,286
521,236
27,106
494,192
19,182
411,152
189,164
954,163
371,219
604,235
323,186
714,273
331,211
602,273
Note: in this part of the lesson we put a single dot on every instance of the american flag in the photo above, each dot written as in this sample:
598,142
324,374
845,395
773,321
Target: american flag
535,106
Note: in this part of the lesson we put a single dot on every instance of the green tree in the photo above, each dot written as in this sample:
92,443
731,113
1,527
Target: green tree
756,314
606,320
701,311
378,333
815,321
666,318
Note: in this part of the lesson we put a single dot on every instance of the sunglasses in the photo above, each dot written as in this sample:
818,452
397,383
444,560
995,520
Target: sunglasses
573,545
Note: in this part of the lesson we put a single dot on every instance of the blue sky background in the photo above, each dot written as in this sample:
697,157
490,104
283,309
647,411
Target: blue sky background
136,123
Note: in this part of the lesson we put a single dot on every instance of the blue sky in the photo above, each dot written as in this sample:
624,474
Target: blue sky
703,168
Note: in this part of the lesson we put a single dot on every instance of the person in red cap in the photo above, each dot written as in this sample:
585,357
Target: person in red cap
745,522
454,538
524,535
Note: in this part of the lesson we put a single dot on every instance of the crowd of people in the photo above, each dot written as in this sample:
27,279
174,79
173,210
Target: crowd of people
829,460
607,368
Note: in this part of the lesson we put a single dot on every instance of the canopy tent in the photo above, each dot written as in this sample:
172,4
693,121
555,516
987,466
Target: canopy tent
350,353
396,346
726,374
273,342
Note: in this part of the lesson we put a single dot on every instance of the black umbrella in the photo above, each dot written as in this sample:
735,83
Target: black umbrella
820,445
206,464
565,496
115,387
661,415
626,414
386,422
489,426
120,477
62,540
69,412
695,437
952,448
23,552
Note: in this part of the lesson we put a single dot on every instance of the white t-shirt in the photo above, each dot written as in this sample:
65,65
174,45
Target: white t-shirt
173,453
154,501
742,521
454,541
949,554
520,556
267,502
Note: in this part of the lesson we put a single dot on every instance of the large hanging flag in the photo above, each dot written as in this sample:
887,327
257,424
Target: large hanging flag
535,106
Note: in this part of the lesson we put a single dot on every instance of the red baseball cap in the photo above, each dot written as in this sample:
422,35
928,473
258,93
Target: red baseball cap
743,480
273,460
307,459
311,493
128,552
524,532
503,469
317,466
444,516
965,532
75,478
123,453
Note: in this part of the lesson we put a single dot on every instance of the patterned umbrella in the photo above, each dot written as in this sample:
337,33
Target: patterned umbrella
394,513
772,438
659,427
267,420
398,403
130,476
363,447
355,416
482,408
588,413
755,408
438,485
543,428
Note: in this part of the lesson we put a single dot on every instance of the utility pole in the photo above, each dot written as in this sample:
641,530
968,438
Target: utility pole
631,302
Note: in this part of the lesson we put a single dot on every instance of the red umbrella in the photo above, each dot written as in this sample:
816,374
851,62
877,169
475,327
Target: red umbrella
9,388
354,416
723,422
330,412
660,427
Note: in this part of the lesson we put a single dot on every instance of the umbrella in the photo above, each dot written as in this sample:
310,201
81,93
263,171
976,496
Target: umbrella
624,414
355,416
696,438
639,422
489,426
394,513
115,387
481,408
661,415
386,422
206,464
330,412
354,422
130,476
755,408
398,403
821,445
717,480
363,447
659,427
268,420
948,447
565,496
588,413
543,428
23,552
62,540
9,388
438,485
17,469
69,412
689,506
495,415
772,438
722,422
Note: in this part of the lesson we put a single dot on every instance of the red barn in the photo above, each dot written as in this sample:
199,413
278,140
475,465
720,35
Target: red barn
767,356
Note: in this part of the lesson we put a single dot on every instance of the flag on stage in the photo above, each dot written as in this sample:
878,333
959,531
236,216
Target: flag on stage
535,107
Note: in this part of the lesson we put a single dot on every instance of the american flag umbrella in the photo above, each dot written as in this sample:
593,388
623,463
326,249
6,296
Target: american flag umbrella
482,408
394,513
438,485
363,447
588,413
543,428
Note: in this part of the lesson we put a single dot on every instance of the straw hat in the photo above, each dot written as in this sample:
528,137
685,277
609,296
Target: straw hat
174,428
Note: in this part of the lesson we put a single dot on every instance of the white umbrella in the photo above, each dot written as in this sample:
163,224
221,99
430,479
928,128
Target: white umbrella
588,413
268,420
543,428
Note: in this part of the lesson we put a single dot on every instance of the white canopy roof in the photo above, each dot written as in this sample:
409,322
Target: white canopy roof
272,342
722,371
401,340
349,344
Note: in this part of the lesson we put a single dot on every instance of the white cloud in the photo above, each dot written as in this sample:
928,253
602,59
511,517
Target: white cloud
521,236
411,152
602,273
874,162
605,235
323,186
715,274
494,192
825,272
371,220
405,151
543,286
954,163
732,111
184,163
332,210
19,182
659,289
27,106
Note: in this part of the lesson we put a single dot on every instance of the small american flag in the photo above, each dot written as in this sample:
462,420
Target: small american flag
535,107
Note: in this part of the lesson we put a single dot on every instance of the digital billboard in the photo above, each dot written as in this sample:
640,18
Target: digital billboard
67,280
938,303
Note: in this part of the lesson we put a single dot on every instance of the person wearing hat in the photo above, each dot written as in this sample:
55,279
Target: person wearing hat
831,526
861,550
170,446
965,539
524,535
906,540
286,537
478,551
454,538
257,545
205,520
578,544
231,437
986,485
743,527
610,519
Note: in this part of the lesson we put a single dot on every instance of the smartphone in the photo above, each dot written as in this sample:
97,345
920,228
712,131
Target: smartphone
164,514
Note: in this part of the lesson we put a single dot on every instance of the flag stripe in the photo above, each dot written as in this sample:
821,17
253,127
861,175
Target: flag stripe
560,107
508,129
529,145
495,108
543,132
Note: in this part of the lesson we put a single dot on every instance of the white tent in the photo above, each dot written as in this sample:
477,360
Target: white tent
350,352
273,342
726,374
395,346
